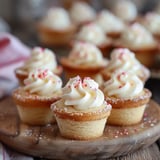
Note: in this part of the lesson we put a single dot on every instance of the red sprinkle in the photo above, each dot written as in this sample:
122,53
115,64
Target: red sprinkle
120,86
42,49
39,75
121,55
32,75
84,85
121,74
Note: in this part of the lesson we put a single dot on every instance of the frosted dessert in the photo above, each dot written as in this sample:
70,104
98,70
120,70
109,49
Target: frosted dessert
125,10
124,59
94,34
123,85
128,97
43,82
86,54
56,28
82,112
42,88
39,58
57,18
85,59
82,13
152,22
109,23
138,39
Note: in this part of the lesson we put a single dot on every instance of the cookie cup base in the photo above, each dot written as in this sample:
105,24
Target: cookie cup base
80,125
35,116
56,38
81,130
72,70
126,116
128,111
34,109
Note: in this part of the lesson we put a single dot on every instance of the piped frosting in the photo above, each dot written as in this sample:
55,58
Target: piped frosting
83,94
123,85
87,54
43,82
57,18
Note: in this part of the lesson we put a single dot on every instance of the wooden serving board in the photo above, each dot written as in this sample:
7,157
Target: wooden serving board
47,142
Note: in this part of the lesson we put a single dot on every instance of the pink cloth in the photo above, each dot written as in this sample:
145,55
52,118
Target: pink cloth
12,55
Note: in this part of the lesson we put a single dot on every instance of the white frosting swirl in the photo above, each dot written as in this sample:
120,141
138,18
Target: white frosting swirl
123,85
108,22
152,22
81,12
124,59
43,82
57,18
126,10
41,58
136,36
84,53
92,33
83,95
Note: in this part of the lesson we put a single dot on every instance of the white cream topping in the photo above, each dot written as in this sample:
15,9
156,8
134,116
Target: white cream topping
81,12
109,22
83,94
92,33
123,85
43,82
152,22
57,18
84,53
41,58
136,36
126,10
124,59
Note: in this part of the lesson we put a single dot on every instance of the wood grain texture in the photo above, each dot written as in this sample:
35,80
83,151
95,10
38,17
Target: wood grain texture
150,153
47,142
9,121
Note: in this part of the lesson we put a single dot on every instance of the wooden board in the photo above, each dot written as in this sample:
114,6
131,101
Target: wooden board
47,142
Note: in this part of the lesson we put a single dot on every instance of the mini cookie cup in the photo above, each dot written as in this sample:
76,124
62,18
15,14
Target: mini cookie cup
81,125
34,109
128,111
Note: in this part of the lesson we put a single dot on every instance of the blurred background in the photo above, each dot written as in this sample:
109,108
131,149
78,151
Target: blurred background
19,16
